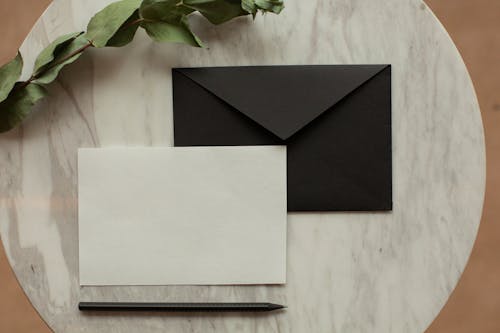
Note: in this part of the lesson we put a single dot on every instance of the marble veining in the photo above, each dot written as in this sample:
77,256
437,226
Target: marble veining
347,272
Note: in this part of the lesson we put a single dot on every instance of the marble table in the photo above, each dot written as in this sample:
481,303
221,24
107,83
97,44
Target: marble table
347,272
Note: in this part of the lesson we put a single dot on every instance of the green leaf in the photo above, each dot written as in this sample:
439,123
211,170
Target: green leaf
9,73
126,33
104,25
217,11
65,56
274,6
170,11
172,32
18,104
249,6
51,51
166,21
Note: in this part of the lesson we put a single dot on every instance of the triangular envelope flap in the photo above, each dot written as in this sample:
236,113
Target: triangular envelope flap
283,99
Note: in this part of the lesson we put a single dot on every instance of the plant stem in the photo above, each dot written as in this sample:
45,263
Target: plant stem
71,55
139,20
62,60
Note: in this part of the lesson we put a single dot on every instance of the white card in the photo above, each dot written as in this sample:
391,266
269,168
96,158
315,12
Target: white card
194,215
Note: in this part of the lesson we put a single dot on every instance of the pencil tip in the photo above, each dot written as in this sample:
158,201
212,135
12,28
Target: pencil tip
276,306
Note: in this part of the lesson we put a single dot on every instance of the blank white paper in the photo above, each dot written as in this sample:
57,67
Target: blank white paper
190,216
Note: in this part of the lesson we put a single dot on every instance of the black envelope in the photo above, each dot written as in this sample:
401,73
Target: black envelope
335,121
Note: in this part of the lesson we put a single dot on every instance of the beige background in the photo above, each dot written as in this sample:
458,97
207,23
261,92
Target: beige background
474,306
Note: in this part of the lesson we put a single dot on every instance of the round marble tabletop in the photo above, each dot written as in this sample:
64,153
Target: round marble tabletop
347,272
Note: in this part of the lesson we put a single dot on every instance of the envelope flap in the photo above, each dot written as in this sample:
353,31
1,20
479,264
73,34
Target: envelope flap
283,99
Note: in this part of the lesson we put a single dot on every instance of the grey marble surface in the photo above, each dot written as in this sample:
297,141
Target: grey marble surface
347,272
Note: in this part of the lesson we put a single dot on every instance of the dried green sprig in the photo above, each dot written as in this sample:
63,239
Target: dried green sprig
114,26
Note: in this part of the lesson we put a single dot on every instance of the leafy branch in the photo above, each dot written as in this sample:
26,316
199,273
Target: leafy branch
114,26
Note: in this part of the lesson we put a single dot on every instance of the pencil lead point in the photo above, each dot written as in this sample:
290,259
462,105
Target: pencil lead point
276,306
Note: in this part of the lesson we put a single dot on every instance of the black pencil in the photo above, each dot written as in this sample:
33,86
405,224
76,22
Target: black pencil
179,307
